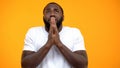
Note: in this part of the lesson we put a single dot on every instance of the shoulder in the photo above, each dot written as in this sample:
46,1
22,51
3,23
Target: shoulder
33,30
71,29
75,32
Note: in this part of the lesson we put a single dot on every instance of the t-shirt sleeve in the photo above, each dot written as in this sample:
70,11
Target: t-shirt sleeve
78,41
28,41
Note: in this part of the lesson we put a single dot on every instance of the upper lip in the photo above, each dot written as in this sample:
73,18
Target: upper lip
50,18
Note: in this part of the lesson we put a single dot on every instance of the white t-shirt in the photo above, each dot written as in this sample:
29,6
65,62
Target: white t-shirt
36,37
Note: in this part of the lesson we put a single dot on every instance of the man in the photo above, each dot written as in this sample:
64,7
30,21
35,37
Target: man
54,46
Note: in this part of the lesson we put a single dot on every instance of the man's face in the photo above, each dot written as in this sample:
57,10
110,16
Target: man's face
53,10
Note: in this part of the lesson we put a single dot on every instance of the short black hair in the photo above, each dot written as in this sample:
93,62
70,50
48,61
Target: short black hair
55,4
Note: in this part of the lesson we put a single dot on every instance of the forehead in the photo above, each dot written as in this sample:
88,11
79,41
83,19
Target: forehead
49,6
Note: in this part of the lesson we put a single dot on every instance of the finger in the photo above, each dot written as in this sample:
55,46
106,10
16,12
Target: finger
52,21
51,29
52,25
55,29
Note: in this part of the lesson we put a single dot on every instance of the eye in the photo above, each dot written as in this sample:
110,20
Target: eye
56,10
47,11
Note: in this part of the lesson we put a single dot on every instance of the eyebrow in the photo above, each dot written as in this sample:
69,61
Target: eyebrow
48,8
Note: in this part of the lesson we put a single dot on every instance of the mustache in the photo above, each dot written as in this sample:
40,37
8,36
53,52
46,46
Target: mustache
58,22
52,16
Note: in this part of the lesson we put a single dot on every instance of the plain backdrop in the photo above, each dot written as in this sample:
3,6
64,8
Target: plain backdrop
98,20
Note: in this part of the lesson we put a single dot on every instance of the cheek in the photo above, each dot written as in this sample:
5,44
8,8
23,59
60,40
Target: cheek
59,17
46,17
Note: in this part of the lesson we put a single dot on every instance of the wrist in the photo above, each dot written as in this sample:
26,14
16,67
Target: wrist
59,44
49,43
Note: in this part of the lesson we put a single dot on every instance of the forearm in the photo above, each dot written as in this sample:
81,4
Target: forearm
76,60
36,58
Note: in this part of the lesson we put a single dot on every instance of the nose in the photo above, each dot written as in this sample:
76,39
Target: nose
52,14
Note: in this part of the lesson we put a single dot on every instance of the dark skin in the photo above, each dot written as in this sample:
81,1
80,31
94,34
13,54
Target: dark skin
31,59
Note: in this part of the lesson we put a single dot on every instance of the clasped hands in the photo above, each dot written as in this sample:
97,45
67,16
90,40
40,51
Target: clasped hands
53,36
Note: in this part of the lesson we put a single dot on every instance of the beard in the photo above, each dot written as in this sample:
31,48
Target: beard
47,23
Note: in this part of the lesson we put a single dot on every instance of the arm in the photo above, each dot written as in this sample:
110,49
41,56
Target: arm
77,59
31,59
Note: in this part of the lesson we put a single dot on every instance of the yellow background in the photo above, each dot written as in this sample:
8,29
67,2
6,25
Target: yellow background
98,20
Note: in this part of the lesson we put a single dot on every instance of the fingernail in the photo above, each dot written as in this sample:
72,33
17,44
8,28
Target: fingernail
52,19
